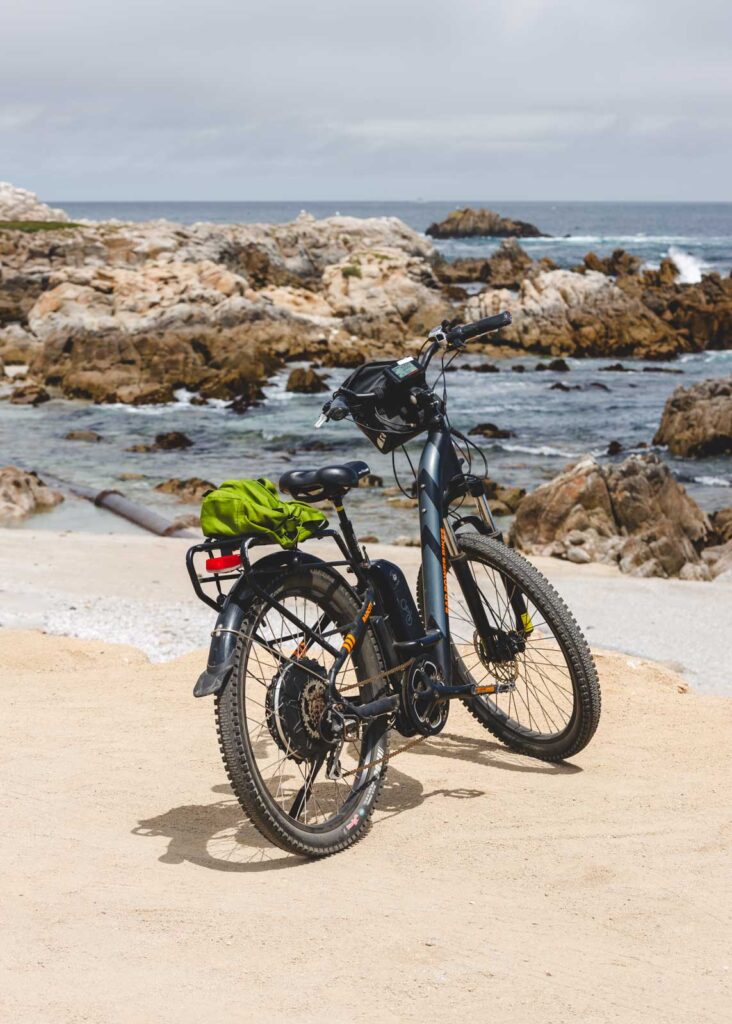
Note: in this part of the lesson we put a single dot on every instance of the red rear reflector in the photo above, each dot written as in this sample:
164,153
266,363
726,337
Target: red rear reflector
224,562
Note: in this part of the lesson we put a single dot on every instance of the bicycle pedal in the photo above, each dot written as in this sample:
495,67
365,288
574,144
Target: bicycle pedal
493,688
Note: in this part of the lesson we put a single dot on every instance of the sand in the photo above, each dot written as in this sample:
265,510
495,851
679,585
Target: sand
133,588
492,887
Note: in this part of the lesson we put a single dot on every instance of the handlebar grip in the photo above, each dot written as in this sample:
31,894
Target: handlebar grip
484,326
338,409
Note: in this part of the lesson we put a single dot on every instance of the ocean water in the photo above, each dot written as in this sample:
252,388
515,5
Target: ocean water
551,427
697,235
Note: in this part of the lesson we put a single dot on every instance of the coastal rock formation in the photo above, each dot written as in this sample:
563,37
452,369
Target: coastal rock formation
305,381
22,493
29,394
190,491
384,293
633,514
560,312
506,268
468,223
19,204
697,421
130,312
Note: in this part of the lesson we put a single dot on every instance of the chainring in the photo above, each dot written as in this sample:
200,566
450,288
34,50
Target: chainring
424,713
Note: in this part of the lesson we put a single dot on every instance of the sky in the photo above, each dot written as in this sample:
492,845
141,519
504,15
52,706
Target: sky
335,99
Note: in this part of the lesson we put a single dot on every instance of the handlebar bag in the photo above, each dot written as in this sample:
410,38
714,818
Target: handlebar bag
380,406
255,507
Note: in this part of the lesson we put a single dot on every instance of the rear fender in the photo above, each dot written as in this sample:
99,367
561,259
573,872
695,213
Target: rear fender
222,651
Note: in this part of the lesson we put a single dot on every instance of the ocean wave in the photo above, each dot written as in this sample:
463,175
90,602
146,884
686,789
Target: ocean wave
542,449
690,267
712,481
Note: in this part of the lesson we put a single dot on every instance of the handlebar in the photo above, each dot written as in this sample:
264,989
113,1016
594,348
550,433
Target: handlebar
464,332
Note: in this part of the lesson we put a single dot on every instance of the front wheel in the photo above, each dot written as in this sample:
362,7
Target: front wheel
541,694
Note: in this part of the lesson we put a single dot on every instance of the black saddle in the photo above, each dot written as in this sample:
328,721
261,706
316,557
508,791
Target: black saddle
328,482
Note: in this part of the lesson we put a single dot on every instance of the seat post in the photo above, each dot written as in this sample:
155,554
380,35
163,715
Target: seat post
346,526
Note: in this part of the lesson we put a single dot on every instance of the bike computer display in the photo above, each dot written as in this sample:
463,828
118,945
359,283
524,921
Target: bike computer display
403,369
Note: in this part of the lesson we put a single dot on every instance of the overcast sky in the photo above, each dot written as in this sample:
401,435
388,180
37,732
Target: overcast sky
336,99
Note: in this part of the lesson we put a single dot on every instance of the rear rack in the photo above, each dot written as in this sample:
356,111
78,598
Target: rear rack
228,546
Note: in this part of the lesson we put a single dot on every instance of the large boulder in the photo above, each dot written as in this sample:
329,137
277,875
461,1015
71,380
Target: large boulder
469,223
560,312
22,493
633,514
697,421
385,293
19,204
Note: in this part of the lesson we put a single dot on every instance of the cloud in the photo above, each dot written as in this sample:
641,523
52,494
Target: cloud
494,98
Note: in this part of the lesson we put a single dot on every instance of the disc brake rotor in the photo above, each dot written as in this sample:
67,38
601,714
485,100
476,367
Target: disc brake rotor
502,671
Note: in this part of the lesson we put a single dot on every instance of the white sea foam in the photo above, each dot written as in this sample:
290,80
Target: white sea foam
690,267
542,449
712,481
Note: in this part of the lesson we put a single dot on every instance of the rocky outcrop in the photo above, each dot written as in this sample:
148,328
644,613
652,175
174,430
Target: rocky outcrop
560,312
130,312
633,514
384,293
697,421
469,223
22,493
506,268
18,204
305,381
189,491
29,394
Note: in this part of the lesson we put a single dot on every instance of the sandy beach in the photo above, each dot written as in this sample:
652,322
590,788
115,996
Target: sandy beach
134,889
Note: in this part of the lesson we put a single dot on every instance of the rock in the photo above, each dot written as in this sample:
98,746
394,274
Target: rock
370,538
371,480
616,368
18,204
508,497
559,385
722,524
697,421
407,542
598,385
719,559
23,493
562,312
190,490
633,514
399,501
557,365
518,368
305,381
385,294
660,369
614,448
469,223
174,440
491,430
482,368
29,394
506,268
619,264
83,435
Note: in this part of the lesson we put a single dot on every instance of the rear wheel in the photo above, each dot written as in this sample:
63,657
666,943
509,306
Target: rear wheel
303,794
542,692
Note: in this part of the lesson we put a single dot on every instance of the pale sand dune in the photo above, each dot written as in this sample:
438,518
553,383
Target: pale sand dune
492,887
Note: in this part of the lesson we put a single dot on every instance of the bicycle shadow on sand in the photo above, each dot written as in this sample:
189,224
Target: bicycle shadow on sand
218,837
